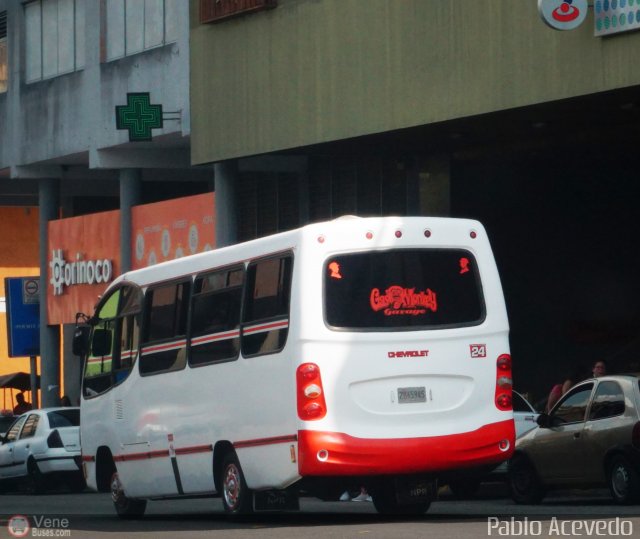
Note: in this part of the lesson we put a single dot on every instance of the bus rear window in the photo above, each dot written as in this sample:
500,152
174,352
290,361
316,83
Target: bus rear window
403,290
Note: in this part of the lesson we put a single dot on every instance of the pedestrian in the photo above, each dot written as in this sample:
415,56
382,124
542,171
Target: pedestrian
599,368
22,406
65,401
560,389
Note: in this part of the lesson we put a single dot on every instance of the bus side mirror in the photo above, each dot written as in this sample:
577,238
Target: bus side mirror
80,340
101,342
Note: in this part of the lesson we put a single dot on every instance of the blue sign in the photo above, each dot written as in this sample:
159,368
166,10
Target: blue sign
23,315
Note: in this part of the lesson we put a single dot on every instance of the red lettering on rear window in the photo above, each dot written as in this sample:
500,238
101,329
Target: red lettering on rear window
397,300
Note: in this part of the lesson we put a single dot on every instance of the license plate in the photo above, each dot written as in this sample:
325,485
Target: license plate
411,394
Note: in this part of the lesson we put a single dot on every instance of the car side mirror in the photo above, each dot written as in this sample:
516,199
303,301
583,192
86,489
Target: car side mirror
544,421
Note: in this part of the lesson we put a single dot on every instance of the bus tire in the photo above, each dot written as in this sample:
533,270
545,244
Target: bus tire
525,486
126,508
237,498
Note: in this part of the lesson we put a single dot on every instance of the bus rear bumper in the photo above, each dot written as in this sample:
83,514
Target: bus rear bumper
334,453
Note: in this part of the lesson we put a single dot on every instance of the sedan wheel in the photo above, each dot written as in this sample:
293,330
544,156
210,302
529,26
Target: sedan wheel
623,481
524,485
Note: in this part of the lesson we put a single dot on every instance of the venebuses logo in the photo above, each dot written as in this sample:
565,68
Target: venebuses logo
80,271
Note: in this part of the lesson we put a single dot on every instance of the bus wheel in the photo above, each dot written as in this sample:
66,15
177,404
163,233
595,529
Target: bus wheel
125,507
237,499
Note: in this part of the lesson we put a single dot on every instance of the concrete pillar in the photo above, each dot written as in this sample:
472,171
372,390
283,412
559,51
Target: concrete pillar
130,190
226,178
48,191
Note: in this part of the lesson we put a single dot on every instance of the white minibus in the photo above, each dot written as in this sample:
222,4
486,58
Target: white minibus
355,352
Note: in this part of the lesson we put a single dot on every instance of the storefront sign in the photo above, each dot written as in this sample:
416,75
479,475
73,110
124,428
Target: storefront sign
23,316
84,257
563,14
615,16
172,229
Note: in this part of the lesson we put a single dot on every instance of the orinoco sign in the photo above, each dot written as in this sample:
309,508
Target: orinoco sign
80,271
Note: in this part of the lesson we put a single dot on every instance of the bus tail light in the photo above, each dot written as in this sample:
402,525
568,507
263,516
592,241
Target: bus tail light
504,382
311,403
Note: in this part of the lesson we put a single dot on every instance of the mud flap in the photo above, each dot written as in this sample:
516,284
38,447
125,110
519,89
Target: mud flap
275,500
415,490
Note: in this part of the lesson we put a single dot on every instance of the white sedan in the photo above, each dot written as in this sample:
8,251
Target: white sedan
42,445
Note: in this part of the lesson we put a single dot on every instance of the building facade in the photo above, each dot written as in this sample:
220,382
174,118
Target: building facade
65,65
314,109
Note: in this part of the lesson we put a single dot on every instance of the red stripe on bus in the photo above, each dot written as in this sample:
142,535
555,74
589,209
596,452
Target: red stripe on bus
265,327
99,359
194,449
348,455
88,458
266,441
142,456
164,347
203,339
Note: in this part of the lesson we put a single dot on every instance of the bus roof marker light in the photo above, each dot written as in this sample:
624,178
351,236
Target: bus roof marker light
321,238
427,233
369,235
398,233
473,234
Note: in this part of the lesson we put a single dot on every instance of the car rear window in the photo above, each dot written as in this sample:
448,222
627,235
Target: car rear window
64,418
403,289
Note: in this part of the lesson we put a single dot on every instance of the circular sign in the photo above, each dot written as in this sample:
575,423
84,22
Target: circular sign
31,287
563,14
18,526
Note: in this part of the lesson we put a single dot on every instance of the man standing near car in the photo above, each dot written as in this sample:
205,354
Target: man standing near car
22,406
599,368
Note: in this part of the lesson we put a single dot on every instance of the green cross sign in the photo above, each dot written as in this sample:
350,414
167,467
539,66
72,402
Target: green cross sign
139,116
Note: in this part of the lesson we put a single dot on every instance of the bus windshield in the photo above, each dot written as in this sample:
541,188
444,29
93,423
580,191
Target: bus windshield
403,289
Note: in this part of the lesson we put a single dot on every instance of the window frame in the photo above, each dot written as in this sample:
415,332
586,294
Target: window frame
146,342
115,374
556,421
594,396
244,323
4,52
399,329
195,295
120,37
77,52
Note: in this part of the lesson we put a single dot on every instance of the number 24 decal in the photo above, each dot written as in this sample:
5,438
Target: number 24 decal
478,350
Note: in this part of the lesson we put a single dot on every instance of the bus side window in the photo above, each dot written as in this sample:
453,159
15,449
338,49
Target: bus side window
166,317
266,310
215,317
129,336
114,340
99,363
